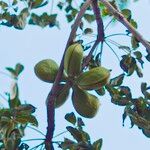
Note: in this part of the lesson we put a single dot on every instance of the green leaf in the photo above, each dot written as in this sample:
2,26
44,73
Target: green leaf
127,48
80,122
68,8
138,55
5,112
134,42
67,144
89,18
19,68
126,13
11,70
69,17
14,100
128,64
148,57
14,2
79,136
70,117
143,87
88,31
36,3
139,72
124,116
60,5
25,119
97,145
117,80
133,23
25,108
146,133
3,5
100,91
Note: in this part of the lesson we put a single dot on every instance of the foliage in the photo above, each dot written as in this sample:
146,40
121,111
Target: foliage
81,78
16,118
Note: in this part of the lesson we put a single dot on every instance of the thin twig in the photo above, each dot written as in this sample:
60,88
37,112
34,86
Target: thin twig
36,130
37,146
108,24
60,133
117,34
113,51
33,140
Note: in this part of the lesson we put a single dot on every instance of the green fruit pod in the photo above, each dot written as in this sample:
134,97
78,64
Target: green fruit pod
63,93
93,79
87,105
46,70
73,59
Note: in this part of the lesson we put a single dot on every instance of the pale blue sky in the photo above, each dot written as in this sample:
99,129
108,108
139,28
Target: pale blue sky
34,44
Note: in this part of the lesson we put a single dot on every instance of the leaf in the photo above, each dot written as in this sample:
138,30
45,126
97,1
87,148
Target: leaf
23,146
11,70
68,8
69,17
67,144
14,100
124,116
3,5
19,68
133,23
146,133
97,145
125,90
80,122
70,117
36,3
79,136
25,108
128,64
143,87
117,80
148,57
88,31
25,119
126,13
134,42
125,48
139,72
100,91
89,18
60,5
138,55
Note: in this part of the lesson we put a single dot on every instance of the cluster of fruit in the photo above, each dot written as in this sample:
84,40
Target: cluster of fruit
85,104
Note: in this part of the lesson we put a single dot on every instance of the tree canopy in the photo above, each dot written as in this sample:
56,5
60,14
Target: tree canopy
81,71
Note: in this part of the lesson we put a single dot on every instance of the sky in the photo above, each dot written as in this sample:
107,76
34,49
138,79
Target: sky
34,44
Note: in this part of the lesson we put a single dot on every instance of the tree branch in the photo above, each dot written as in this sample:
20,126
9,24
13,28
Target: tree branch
124,21
100,32
53,93
99,21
